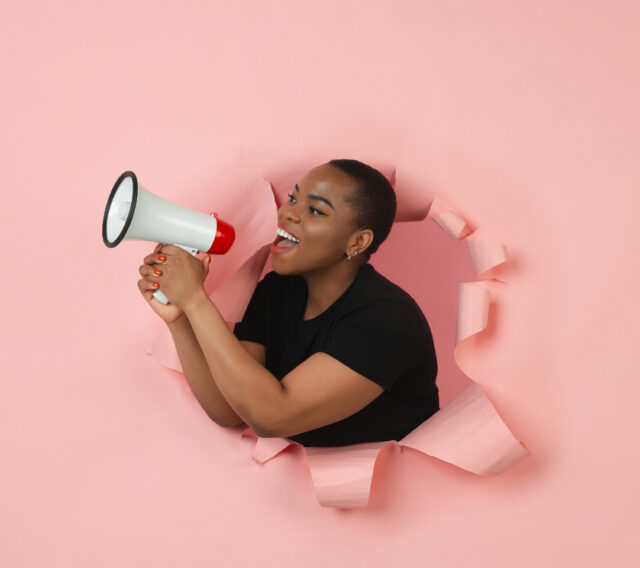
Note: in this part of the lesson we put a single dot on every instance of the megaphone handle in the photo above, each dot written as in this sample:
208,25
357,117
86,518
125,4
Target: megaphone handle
158,295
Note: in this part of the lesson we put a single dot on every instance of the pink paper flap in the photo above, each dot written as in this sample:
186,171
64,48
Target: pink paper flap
486,255
468,433
342,476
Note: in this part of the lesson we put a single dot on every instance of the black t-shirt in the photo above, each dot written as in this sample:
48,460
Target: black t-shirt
375,328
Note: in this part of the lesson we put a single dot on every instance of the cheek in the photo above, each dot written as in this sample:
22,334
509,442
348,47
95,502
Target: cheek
329,237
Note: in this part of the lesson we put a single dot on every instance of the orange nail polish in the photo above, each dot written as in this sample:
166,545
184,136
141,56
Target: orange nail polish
157,272
162,257
155,284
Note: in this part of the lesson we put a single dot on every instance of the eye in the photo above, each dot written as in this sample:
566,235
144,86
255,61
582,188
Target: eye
313,210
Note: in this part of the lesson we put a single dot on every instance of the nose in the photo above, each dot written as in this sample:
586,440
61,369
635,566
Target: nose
289,212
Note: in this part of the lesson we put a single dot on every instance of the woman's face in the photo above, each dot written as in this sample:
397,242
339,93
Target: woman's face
319,218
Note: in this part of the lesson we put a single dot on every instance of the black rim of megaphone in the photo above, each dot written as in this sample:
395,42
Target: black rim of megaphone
134,198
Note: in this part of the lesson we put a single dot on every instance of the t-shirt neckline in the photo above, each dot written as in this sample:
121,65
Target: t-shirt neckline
332,307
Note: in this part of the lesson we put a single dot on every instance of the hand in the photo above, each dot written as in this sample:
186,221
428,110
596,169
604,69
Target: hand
181,274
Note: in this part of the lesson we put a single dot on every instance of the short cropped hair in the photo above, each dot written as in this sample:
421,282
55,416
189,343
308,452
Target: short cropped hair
374,200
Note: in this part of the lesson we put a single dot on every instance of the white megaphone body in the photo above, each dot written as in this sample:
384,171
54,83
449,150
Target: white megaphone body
134,213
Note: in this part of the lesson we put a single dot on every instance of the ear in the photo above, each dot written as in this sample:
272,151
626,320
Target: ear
361,240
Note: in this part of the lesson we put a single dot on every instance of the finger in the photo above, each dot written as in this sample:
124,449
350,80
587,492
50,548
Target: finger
151,277
150,272
145,288
151,258
172,249
154,259
146,285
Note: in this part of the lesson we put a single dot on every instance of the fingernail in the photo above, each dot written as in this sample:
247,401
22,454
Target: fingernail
162,257
155,284
157,272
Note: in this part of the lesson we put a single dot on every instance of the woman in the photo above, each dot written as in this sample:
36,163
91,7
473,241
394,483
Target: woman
329,352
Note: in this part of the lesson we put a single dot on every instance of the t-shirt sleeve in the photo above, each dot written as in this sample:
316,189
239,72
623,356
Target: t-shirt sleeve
253,325
381,340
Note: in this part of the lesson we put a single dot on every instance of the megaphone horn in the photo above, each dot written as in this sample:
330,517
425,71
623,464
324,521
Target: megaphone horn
134,213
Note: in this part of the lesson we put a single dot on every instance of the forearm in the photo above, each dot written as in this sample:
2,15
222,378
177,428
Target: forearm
198,375
251,390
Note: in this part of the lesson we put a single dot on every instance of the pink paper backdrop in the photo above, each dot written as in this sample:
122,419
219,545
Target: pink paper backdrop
523,116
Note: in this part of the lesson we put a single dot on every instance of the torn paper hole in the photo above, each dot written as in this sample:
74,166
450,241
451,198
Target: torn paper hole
468,432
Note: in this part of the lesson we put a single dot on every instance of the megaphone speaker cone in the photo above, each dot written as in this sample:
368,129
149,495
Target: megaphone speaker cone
120,208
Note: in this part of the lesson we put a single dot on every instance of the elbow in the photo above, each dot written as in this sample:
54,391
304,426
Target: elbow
225,422
266,428
263,430
269,421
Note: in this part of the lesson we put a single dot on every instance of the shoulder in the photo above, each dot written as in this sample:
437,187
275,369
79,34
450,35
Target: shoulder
382,314
379,296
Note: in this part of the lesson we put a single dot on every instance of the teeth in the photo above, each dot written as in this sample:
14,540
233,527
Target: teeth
286,235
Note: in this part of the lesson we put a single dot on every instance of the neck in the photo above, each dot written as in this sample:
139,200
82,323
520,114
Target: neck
327,285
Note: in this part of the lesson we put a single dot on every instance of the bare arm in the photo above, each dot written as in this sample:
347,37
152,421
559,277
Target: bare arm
237,385
194,365
320,391
198,374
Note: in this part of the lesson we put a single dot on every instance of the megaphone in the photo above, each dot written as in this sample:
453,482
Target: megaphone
134,213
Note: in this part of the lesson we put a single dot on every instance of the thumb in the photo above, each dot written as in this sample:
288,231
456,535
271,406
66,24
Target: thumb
207,262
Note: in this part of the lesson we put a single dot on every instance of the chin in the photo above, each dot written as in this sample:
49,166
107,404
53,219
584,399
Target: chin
282,268
293,267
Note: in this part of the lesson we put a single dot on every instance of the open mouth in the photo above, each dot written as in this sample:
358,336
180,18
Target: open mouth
285,240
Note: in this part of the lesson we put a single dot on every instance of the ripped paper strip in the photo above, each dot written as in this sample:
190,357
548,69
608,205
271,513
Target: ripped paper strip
486,255
468,432
448,220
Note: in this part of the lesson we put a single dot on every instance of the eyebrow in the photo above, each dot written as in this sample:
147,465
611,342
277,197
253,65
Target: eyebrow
317,198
